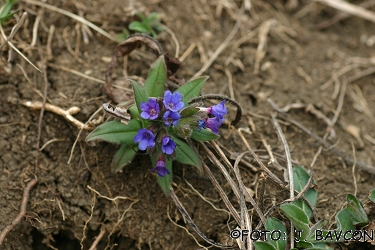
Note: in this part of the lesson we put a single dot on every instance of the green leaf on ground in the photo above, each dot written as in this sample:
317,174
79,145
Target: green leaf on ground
262,245
192,89
301,178
203,135
157,77
165,182
358,213
123,157
186,155
298,217
275,226
371,195
343,220
116,132
140,94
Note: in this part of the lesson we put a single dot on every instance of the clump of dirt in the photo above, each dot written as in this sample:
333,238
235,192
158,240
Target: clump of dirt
273,52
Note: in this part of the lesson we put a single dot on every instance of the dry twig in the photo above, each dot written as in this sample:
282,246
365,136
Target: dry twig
67,114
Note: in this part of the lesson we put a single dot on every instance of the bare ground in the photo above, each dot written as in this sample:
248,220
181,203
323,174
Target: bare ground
278,52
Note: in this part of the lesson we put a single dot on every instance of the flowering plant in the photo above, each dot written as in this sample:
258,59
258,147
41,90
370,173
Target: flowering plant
161,122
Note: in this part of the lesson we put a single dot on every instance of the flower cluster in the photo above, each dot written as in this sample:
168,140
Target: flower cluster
169,118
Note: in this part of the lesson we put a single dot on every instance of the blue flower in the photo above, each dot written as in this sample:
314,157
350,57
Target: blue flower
171,118
150,109
214,124
218,110
167,145
201,124
173,102
145,138
160,168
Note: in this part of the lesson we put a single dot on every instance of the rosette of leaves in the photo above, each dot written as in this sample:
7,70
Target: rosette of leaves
123,134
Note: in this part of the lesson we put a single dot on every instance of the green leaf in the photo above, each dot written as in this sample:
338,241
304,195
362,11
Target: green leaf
140,94
319,246
157,77
116,132
186,155
298,217
165,182
343,220
4,15
273,225
123,157
359,216
203,135
262,245
139,27
134,112
371,195
192,89
303,245
153,17
301,178
190,110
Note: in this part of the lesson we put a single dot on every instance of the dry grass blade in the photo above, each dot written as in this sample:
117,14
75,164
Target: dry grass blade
222,46
73,16
215,161
261,49
183,211
350,9
342,16
289,164
222,194
364,166
256,157
15,29
243,187
7,40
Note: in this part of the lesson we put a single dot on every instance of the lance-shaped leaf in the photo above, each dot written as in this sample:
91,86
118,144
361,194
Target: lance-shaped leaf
123,157
371,195
343,220
165,182
157,77
203,135
301,178
298,217
262,245
134,112
140,94
355,208
192,89
116,132
274,225
186,155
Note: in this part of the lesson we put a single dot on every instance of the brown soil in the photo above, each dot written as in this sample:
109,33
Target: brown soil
73,201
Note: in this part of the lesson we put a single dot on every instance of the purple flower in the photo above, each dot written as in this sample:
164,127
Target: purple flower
167,145
171,118
160,168
218,110
173,102
150,109
214,124
201,124
145,138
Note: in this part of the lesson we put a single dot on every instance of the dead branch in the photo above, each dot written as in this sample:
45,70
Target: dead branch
67,114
